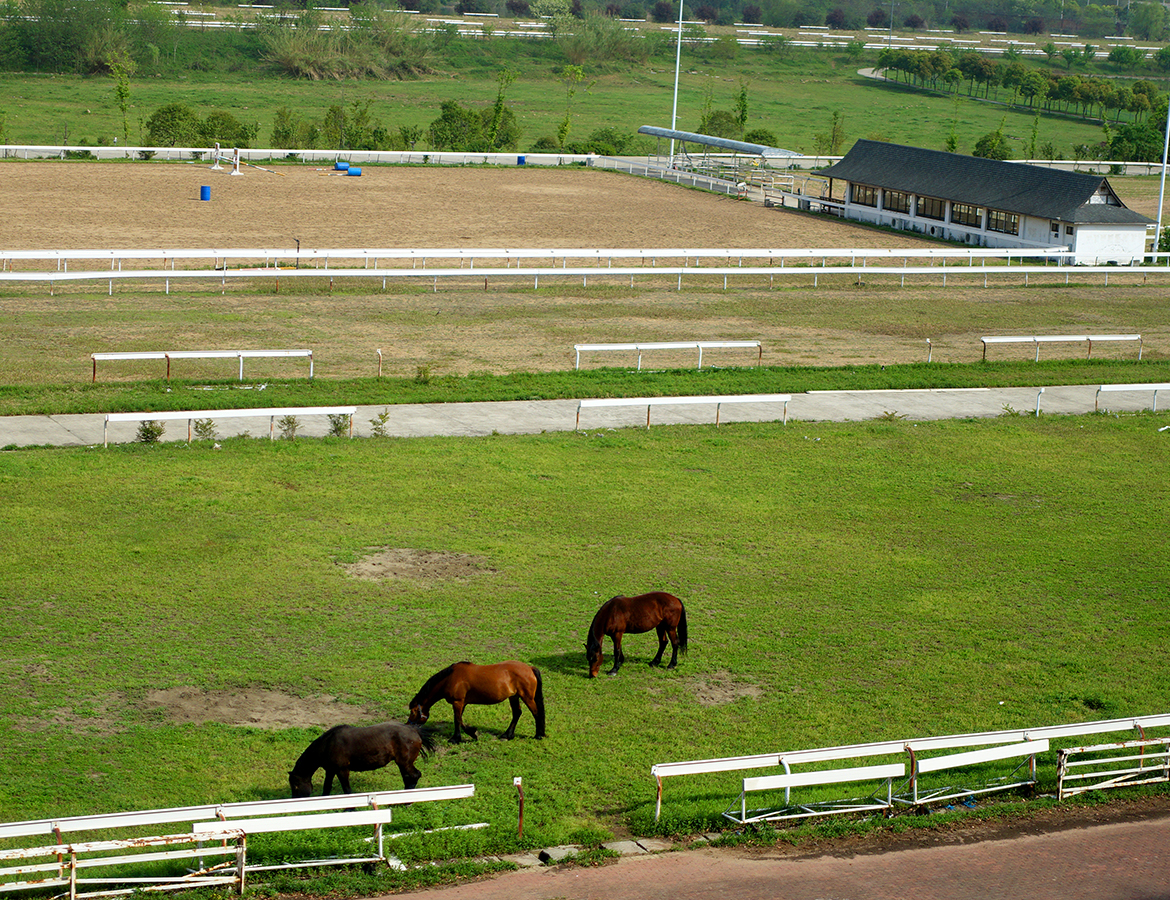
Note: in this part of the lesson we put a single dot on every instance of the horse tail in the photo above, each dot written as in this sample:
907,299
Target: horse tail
682,628
539,699
428,739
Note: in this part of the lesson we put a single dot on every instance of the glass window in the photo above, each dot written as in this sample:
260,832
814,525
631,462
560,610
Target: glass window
932,208
1003,222
897,201
965,214
1056,228
864,195
1068,229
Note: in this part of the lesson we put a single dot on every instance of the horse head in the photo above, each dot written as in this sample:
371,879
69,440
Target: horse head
418,715
301,785
593,655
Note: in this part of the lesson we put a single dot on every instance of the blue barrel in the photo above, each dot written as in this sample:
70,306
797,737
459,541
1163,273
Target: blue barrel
354,170
205,192
519,160
341,166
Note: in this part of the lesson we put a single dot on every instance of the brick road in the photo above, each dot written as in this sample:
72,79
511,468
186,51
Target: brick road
1124,861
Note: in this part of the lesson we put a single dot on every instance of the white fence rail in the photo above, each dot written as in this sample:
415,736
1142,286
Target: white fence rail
668,345
1037,340
1103,766
193,416
66,863
980,750
1130,388
169,355
650,402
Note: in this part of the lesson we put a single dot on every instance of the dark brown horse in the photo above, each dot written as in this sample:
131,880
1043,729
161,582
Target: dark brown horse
463,683
346,748
636,615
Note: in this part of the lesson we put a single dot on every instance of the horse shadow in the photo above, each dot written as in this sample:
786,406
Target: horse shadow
571,664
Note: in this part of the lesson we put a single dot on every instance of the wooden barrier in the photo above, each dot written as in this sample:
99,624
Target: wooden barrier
649,402
194,415
668,345
1114,388
1061,338
168,355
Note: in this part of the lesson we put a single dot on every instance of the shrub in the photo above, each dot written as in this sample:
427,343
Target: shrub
205,430
835,18
662,11
288,426
151,431
914,21
879,18
378,423
997,23
339,425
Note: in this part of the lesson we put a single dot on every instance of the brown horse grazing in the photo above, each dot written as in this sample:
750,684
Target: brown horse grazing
463,683
636,615
346,748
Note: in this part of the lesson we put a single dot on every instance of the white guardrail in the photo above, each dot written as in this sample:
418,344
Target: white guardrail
388,264
218,830
918,756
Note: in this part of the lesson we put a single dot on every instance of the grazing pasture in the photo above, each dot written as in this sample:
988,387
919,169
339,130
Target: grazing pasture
182,621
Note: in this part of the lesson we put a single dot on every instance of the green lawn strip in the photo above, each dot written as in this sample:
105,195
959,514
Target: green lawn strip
844,583
792,94
147,396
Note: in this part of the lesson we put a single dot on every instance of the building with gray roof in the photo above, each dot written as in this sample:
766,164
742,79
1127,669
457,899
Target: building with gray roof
987,203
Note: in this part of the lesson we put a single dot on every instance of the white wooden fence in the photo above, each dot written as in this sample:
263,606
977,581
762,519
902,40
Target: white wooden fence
168,355
196,415
982,755
213,850
642,346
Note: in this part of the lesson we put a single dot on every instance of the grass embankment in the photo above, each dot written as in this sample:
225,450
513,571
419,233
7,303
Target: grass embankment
159,395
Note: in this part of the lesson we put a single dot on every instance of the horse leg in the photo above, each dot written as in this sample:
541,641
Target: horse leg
673,647
657,660
511,732
328,786
618,656
473,733
343,777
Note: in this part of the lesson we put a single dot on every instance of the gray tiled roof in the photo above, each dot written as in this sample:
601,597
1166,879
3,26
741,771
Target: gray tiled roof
1012,187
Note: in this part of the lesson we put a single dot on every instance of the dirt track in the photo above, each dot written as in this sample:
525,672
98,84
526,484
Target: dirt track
71,205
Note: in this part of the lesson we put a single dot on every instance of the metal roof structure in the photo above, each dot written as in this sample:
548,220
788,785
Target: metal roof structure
712,141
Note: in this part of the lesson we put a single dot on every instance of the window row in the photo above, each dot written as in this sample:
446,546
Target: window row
933,208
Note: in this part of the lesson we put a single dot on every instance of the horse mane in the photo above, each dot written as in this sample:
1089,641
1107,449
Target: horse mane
428,688
594,638
316,750
427,736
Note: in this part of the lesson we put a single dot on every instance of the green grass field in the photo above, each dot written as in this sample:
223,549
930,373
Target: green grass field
793,95
844,583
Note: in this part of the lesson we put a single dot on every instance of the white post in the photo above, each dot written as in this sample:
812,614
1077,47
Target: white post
677,63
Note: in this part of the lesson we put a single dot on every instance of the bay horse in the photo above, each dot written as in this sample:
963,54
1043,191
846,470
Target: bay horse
656,611
347,748
462,683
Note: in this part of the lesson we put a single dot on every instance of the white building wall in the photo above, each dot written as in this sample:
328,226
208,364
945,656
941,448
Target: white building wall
1098,244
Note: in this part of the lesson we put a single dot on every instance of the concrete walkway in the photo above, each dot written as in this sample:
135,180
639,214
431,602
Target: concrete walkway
536,416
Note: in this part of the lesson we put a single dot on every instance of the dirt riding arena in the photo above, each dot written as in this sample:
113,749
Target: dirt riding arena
473,327
72,205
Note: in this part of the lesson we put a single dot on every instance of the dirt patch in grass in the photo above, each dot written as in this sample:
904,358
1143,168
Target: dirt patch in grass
254,707
416,565
721,688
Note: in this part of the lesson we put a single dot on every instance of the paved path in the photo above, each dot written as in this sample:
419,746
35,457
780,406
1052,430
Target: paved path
1129,861
535,416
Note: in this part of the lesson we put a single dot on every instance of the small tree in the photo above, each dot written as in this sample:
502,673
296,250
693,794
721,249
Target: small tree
121,70
959,23
835,18
151,431
879,18
993,145
1034,25
997,23
914,21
